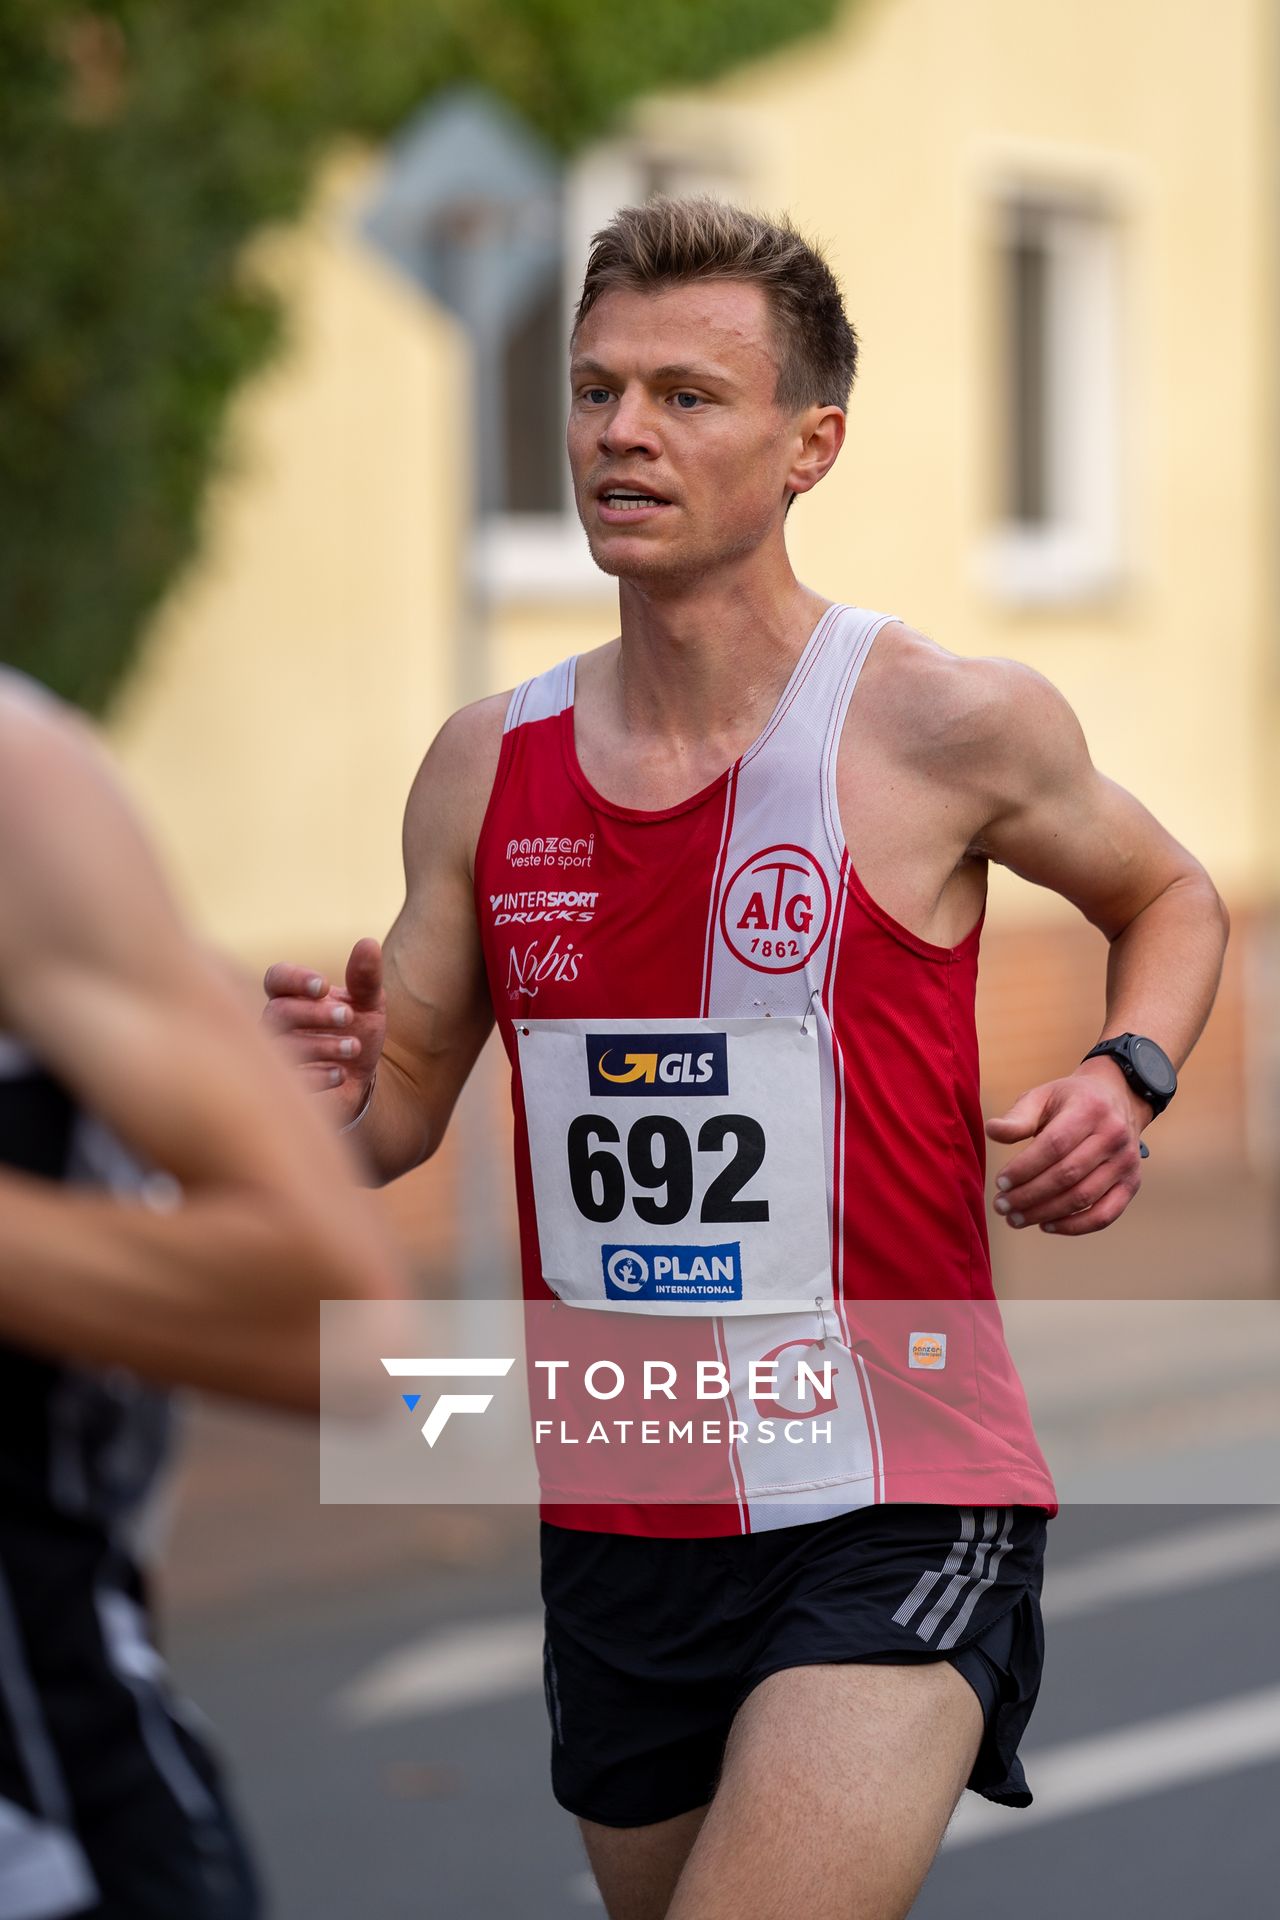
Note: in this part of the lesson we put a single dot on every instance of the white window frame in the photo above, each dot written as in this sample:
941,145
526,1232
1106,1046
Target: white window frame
1078,552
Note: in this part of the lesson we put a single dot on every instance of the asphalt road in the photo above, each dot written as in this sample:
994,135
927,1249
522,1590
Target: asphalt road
389,1738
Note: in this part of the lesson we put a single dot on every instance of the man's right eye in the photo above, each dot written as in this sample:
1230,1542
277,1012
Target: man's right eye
596,396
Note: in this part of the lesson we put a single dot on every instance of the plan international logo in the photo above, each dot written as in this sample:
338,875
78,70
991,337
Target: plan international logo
657,1064
673,1273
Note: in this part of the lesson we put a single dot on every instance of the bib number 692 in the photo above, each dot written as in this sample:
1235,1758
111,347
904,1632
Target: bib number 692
659,1158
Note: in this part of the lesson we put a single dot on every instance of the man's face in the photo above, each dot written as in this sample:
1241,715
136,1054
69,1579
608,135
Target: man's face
673,401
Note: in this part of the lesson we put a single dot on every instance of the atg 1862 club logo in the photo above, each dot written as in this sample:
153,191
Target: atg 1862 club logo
657,1064
776,909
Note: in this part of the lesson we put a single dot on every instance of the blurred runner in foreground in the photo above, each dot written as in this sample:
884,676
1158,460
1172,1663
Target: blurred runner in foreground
721,881
173,1210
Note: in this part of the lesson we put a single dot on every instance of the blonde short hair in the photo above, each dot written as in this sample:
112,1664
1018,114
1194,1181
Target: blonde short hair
668,242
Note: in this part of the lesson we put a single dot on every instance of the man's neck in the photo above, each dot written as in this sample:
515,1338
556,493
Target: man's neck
710,660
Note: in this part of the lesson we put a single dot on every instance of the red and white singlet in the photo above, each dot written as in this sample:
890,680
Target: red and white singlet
746,1100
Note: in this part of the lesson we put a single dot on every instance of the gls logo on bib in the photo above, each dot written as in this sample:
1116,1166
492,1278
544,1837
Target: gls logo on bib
657,1064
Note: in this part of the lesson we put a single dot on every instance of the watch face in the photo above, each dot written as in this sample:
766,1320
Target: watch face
1155,1066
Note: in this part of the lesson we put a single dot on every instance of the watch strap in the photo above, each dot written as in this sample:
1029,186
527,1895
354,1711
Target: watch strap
1120,1049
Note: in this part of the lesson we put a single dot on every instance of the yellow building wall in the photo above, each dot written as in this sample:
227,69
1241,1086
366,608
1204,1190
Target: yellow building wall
887,140
295,678
292,682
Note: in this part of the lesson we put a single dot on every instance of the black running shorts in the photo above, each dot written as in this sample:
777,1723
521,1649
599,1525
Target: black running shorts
112,1806
653,1645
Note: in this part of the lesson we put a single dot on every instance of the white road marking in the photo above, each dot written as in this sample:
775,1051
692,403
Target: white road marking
451,1668
1172,1563
447,1670
1136,1760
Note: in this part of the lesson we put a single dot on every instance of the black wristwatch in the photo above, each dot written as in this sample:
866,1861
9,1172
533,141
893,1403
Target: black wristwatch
1146,1067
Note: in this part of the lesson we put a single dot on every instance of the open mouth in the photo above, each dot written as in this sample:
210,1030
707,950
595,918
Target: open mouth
629,500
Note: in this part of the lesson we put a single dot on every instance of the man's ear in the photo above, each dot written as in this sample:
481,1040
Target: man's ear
820,435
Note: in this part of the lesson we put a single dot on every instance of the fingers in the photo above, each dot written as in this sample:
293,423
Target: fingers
364,975
284,980
1082,1168
1072,1111
320,1079
315,1017
1117,1176
310,1049
1101,1214
1023,1118
1046,1189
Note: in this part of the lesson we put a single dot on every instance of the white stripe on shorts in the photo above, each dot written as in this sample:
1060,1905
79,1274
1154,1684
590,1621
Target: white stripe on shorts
942,1607
928,1581
961,1620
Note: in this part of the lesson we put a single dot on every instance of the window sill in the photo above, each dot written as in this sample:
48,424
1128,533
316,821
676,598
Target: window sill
1055,567
537,557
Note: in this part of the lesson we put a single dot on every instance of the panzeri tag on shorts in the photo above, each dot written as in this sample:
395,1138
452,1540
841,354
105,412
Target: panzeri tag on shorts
678,1165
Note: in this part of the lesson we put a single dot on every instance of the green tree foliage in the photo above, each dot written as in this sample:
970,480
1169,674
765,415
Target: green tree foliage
142,143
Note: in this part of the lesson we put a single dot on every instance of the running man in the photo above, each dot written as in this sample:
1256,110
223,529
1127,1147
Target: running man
174,1210
756,822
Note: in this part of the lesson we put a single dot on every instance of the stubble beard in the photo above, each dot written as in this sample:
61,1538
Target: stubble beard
653,568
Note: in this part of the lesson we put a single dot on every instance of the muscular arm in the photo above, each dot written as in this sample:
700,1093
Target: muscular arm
100,979
1049,815
1060,823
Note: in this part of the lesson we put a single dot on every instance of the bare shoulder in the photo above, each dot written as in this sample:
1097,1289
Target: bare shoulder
54,773
41,740
82,893
451,789
970,713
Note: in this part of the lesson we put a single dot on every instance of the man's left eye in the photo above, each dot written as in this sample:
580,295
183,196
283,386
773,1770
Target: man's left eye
688,401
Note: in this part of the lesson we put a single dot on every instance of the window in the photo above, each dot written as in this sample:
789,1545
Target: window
1058,535
478,214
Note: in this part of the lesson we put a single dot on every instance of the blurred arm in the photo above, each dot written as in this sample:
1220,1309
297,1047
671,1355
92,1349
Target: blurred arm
101,980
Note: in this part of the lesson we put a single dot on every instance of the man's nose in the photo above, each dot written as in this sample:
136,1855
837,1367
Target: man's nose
631,425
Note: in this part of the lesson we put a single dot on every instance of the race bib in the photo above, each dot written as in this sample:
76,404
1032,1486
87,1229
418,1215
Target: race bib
678,1165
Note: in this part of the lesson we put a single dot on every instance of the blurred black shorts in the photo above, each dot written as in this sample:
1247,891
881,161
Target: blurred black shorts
653,1645
112,1804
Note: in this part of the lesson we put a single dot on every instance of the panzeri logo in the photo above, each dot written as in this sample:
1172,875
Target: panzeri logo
673,1273
448,1403
535,905
657,1064
927,1350
566,851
